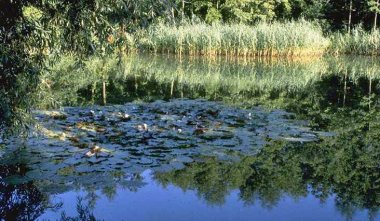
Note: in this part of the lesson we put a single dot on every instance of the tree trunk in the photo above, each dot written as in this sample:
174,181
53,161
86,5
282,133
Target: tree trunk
93,91
183,9
369,92
345,89
172,88
173,15
350,17
104,93
375,21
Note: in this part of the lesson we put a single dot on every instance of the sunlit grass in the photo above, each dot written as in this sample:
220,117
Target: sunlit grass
287,39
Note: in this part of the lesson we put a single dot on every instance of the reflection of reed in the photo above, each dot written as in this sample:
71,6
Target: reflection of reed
234,76
253,77
211,78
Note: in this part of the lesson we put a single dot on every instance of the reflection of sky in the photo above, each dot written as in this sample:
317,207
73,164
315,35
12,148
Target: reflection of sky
153,202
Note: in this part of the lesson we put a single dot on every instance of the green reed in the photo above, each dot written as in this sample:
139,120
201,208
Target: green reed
293,38
358,42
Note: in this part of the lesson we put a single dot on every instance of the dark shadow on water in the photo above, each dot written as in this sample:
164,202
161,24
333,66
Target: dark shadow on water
19,202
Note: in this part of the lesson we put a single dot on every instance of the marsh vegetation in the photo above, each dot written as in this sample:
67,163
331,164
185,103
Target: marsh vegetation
158,110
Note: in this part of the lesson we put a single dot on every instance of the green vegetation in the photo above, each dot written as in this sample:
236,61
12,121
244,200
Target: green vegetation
358,42
32,33
263,39
86,52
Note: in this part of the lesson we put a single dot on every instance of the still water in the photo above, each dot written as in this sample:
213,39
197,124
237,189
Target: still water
155,201
197,139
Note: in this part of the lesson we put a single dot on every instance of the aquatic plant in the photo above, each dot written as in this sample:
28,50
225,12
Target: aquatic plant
293,38
359,42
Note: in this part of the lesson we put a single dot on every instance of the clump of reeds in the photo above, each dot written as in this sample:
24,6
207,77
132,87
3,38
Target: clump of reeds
358,42
294,38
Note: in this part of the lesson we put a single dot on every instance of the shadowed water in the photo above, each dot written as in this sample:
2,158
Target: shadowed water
263,140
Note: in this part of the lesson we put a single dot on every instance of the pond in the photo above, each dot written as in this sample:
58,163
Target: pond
163,138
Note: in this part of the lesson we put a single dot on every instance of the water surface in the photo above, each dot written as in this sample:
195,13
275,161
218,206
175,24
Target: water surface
224,140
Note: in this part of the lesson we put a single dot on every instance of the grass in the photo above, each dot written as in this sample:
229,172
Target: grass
286,39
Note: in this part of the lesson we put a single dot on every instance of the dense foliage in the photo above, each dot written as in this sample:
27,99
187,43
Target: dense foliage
15,61
335,13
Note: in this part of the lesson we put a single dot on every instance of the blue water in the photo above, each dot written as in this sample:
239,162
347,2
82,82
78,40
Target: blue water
156,202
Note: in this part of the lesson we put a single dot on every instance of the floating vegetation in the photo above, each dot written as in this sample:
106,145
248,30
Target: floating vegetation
134,137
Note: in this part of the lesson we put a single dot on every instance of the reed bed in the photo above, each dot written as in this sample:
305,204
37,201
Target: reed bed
294,38
359,42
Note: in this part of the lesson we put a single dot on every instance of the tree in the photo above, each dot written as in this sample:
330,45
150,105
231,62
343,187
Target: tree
374,7
31,30
249,11
342,14
245,11
20,57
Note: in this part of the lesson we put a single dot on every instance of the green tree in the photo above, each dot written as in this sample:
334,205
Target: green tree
31,30
374,7
21,55
248,11
245,11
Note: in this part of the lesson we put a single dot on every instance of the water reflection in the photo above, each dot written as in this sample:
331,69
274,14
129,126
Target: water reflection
342,177
225,191
333,178
149,78
19,202
281,170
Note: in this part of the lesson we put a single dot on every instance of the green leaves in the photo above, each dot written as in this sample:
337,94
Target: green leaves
32,13
374,6
213,15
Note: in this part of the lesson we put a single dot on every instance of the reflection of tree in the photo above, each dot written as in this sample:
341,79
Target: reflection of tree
86,204
19,202
84,213
108,186
346,165
27,202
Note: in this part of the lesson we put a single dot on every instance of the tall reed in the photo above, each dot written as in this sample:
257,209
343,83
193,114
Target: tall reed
359,42
294,38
